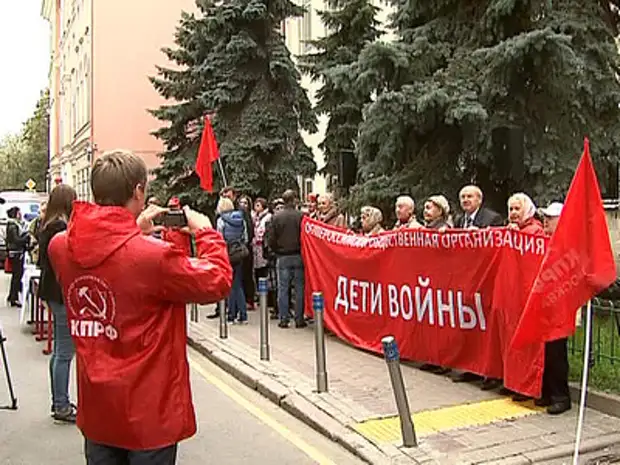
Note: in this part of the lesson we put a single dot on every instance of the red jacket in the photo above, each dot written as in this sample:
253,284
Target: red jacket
125,295
532,226
179,239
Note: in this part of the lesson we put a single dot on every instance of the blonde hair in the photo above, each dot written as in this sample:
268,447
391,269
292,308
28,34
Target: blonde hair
225,205
115,176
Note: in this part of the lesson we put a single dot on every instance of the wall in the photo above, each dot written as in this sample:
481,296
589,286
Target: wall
128,37
310,27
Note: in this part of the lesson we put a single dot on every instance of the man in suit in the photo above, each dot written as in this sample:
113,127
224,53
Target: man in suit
474,214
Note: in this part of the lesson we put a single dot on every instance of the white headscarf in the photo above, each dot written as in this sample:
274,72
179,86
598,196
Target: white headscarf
529,209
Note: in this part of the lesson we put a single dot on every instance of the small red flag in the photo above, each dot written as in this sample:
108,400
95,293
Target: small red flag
579,262
207,154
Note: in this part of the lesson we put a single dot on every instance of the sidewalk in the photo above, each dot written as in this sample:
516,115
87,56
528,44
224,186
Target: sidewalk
455,423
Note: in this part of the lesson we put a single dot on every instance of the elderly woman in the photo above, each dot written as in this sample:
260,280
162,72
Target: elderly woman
329,213
371,221
521,211
405,213
436,212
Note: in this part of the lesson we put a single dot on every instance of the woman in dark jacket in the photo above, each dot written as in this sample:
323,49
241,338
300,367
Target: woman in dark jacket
58,212
17,241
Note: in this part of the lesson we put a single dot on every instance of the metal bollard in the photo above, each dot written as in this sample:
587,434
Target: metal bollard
392,358
318,306
193,314
221,305
264,319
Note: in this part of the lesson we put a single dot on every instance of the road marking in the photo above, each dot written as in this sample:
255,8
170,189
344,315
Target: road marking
278,427
428,422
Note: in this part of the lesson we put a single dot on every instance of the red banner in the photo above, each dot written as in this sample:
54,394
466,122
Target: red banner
449,298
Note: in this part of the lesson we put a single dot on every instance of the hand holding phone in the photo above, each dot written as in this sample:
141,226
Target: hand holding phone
196,221
174,219
146,219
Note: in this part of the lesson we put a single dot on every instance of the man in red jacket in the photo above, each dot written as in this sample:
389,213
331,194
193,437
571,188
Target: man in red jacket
126,293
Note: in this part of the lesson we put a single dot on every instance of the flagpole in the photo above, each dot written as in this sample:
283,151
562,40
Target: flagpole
584,382
221,167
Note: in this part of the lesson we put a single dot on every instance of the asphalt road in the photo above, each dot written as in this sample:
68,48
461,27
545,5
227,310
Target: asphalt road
236,425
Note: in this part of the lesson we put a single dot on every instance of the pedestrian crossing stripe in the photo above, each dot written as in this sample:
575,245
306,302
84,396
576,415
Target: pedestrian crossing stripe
428,422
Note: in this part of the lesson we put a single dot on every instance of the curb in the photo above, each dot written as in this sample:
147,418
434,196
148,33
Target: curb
334,418
597,400
559,452
300,403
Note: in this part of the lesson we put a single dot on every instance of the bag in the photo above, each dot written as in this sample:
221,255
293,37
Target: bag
237,252
8,269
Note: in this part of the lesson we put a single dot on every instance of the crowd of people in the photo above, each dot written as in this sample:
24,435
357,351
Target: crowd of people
145,273
273,235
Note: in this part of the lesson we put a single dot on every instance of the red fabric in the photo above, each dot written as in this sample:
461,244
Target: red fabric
126,294
178,239
578,265
8,268
475,274
532,226
207,154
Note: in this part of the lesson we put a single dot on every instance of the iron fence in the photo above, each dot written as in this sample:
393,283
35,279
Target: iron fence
605,337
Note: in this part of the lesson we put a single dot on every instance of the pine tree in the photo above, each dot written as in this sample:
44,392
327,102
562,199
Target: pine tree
351,25
236,67
461,69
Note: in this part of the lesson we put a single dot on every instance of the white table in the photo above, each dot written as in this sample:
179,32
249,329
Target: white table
30,271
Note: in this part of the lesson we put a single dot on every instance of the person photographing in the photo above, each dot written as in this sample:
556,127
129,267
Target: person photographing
125,294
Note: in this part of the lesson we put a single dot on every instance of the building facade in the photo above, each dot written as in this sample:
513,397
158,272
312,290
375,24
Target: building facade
297,33
102,54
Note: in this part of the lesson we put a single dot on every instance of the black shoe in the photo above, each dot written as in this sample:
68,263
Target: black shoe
520,397
66,415
283,324
489,384
559,407
504,391
542,402
213,316
465,378
15,304
442,370
428,367
301,324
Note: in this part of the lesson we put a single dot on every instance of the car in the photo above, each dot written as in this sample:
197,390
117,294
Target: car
28,202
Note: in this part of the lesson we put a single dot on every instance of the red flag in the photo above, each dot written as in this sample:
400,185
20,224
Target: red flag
207,154
579,262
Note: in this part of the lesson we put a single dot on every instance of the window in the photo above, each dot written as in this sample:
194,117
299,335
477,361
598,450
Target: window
306,27
61,126
72,107
87,88
308,187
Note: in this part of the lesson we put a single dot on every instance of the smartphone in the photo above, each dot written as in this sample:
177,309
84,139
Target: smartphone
174,219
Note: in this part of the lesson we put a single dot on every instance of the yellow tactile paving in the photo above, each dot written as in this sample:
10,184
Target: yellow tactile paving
427,422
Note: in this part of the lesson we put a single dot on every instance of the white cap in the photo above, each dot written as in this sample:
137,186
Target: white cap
553,210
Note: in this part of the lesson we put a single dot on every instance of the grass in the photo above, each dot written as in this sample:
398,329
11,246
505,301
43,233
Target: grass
605,359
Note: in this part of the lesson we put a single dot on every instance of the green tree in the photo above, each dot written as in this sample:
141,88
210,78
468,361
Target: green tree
351,25
460,69
25,155
234,64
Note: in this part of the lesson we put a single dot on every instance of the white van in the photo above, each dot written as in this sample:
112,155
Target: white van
29,204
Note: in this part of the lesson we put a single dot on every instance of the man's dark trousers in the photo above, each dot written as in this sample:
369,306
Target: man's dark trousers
98,454
555,374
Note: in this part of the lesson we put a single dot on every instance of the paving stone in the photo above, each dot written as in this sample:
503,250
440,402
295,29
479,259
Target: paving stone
359,389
